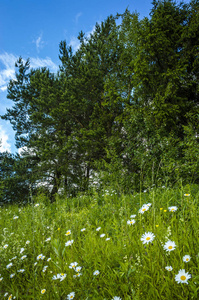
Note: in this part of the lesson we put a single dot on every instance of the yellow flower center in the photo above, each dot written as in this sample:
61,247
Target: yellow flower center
143,209
183,277
187,259
148,238
170,247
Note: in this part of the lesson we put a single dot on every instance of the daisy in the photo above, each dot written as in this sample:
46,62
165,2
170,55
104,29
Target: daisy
96,272
73,265
22,250
40,256
1,278
102,235
169,246
15,217
83,229
9,265
23,257
27,242
182,277
168,268
147,237
131,222
48,239
78,269
97,229
10,297
43,291
148,204
69,243
21,271
68,232
37,204
186,258
107,239
77,275
172,208
132,216
116,298
12,275
186,195
49,259
71,295
143,209
5,246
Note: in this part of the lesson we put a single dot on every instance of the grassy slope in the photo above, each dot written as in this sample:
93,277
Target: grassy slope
127,268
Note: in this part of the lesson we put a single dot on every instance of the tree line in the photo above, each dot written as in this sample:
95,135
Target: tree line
122,109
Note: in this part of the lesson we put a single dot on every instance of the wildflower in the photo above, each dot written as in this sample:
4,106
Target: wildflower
186,258
97,229
40,256
107,239
10,297
147,237
169,246
1,278
43,291
71,295
182,277
116,298
77,275
96,272
168,268
102,235
6,294
35,263
131,222
58,229
78,269
27,242
49,259
172,208
21,271
186,195
161,208
9,265
23,257
73,265
68,232
60,276
37,204
12,275
148,204
132,216
5,246
22,250
165,210
143,209
48,239
69,243
83,229
15,217
156,225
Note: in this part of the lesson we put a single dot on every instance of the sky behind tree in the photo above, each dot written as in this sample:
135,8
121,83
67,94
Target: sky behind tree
34,28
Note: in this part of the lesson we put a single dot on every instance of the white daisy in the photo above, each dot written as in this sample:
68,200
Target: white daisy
168,268
96,272
22,250
37,204
132,216
68,232
15,217
83,229
172,208
40,256
5,246
182,277
21,271
9,265
69,243
147,237
49,259
116,298
97,229
71,295
107,239
78,269
131,222
43,291
169,246
27,242
143,209
186,258
102,235
73,265
12,275
23,257
48,239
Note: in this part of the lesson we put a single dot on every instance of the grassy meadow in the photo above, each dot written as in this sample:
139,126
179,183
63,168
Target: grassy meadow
104,246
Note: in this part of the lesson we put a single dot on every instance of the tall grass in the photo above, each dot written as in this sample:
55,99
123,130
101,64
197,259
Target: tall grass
35,261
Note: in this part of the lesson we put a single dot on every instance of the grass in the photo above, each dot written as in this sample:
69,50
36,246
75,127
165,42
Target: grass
128,268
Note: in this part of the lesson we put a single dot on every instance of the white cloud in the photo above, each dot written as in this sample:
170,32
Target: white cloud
4,145
39,42
74,43
77,17
8,71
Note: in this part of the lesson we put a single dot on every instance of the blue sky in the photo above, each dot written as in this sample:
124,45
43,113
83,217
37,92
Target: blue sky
34,29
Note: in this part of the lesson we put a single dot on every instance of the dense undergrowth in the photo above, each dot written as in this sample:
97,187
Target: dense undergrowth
104,246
